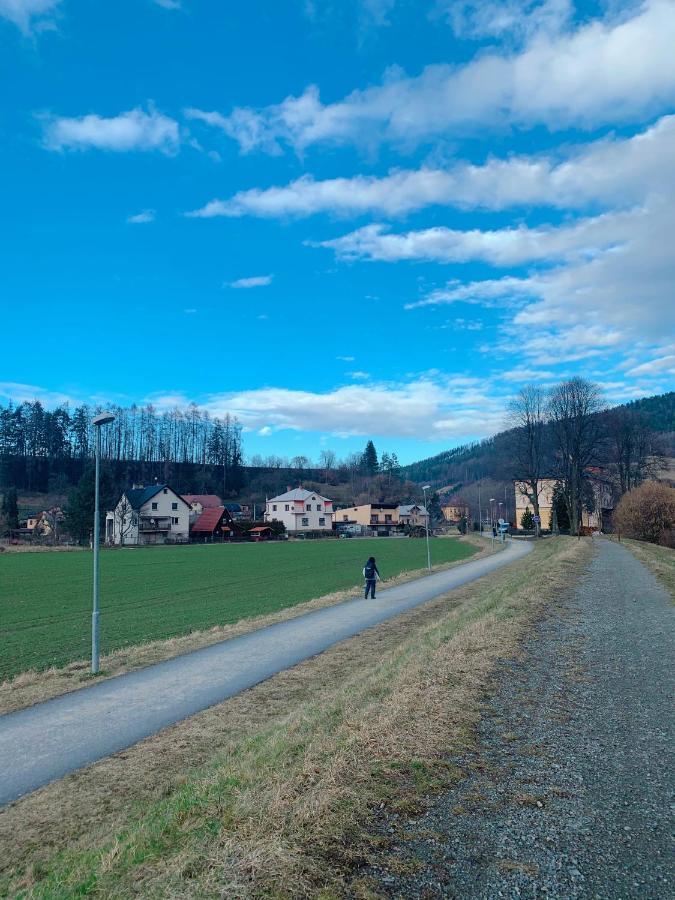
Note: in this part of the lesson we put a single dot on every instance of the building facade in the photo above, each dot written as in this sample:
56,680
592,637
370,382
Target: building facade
413,514
300,511
375,516
154,514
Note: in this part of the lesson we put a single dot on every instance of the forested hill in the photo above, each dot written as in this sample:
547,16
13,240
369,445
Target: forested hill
491,457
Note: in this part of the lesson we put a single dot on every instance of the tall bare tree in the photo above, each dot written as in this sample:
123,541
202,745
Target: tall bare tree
633,453
527,416
577,429
328,459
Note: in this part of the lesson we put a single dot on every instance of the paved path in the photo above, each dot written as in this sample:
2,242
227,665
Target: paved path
48,740
571,787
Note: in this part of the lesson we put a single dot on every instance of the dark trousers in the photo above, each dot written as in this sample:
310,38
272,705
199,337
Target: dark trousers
370,586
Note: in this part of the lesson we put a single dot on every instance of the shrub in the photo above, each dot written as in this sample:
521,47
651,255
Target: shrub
647,513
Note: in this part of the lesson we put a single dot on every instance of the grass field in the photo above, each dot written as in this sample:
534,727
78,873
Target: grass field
160,592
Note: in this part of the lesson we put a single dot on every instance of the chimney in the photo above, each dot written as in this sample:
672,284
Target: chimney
288,488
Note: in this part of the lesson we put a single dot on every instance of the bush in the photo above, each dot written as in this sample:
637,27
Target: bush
647,513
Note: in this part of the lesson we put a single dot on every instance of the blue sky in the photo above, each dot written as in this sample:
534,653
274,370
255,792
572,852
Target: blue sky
338,221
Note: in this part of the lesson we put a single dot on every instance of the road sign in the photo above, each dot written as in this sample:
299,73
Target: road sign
536,519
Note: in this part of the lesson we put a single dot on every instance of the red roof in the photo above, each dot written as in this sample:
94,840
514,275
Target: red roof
209,520
261,528
208,501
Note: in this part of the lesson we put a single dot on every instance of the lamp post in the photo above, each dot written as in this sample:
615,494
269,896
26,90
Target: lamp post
97,422
425,488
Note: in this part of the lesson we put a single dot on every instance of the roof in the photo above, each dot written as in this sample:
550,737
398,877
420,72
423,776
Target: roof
298,494
208,501
138,496
407,508
261,528
233,507
209,519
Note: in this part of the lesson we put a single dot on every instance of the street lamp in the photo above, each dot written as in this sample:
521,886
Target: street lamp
426,488
492,512
97,422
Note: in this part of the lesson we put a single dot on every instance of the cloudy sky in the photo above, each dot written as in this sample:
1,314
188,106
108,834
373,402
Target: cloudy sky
337,220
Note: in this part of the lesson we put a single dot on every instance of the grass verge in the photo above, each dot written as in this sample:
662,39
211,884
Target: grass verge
661,561
33,686
272,793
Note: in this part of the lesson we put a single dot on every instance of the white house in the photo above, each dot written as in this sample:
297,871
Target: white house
155,514
413,514
301,510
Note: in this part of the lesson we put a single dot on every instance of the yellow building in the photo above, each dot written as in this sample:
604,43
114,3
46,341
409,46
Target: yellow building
369,515
453,512
523,502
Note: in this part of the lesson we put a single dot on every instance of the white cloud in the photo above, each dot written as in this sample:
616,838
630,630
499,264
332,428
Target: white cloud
608,171
359,376
432,408
603,72
265,431
520,19
502,247
27,393
26,14
133,130
141,218
664,365
254,281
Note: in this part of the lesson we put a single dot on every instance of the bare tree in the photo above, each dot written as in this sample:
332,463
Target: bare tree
124,518
631,446
327,459
527,415
573,407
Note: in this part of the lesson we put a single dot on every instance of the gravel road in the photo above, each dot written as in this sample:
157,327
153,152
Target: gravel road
570,791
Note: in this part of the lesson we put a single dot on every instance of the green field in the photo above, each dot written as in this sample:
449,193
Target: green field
160,592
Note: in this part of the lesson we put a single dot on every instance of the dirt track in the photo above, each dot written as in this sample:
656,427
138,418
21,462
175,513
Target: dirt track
569,793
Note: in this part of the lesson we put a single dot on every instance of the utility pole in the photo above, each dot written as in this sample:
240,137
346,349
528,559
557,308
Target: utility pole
98,422
425,488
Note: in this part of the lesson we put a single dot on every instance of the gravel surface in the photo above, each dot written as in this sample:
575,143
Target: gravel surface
569,793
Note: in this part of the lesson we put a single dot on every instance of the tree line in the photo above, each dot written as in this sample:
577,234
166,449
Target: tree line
37,444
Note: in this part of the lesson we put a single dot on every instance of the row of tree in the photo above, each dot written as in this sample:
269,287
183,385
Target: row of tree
562,432
31,435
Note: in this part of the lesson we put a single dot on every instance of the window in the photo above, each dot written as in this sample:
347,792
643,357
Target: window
174,506
387,518
322,521
318,507
154,506
309,507
287,507
374,519
345,518
274,508
305,522
166,490
175,520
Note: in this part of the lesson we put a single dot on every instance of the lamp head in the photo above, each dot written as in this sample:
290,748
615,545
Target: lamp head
426,487
103,419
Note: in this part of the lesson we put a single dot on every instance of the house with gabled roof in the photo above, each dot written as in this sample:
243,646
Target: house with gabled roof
300,511
154,514
213,524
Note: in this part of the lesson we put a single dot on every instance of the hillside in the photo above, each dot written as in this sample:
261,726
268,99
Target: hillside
491,457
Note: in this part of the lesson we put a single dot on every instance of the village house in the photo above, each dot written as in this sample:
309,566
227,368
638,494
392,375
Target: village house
199,502
213,524
412,514
380,517
603,501
455,509
154,514
300,511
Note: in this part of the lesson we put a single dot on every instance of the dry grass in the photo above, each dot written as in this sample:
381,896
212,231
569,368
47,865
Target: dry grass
32,687
272,793
661,561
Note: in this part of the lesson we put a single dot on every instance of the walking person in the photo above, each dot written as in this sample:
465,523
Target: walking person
372,576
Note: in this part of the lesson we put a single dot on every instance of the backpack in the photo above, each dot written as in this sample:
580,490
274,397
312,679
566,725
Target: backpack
369,571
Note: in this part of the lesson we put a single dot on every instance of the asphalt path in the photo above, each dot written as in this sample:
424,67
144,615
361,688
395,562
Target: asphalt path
51,739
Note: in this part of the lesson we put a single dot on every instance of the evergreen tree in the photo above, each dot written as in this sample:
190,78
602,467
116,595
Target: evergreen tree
369,461
10,510
80,508
434,510
527,520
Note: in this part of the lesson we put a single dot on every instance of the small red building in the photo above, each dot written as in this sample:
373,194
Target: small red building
214,524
